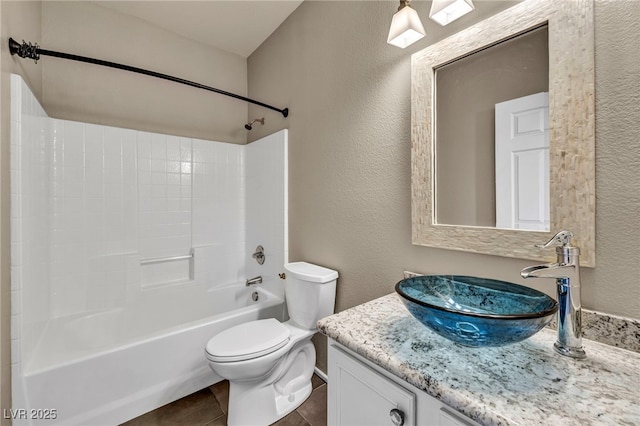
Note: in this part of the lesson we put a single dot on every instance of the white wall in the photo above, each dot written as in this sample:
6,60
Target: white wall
266,209
25,18
121,196
30,221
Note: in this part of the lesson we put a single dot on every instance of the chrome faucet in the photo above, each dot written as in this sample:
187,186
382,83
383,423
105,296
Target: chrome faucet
254,281
259,255
566,271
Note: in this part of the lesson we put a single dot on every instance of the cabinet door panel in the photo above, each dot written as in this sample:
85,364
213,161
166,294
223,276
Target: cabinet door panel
360,396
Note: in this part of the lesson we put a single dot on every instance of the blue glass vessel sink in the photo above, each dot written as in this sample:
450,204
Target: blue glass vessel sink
475,311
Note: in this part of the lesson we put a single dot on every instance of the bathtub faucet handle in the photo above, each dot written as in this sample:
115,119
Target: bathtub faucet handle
259,255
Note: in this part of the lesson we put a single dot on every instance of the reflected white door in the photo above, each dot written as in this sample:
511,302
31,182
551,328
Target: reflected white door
522,163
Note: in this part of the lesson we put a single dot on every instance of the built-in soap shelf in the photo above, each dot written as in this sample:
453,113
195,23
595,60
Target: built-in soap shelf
168,270
165,259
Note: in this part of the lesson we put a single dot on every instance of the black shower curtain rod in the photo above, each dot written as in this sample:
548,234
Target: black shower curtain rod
33,51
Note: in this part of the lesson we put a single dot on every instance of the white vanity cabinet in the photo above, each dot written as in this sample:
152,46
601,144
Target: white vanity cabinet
363,394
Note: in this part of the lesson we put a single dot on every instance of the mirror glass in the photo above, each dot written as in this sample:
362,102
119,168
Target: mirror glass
491,136
469,192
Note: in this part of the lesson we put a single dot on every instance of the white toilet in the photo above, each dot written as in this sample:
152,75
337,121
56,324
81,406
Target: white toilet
269,364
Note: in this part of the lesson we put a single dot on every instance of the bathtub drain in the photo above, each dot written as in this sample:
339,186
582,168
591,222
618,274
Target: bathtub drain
255,296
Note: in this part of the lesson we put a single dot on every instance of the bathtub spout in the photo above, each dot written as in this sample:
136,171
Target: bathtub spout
254,281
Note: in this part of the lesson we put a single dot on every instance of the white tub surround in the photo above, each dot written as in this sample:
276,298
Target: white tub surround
521,384
129,251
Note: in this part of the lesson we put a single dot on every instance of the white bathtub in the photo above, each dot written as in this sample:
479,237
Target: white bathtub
109,367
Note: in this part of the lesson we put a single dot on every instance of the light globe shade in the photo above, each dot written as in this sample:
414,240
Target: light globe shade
447,11
406,28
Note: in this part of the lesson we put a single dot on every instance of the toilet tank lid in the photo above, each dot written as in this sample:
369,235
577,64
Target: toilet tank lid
310,272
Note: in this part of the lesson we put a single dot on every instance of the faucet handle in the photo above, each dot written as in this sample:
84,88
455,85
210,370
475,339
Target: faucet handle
561,239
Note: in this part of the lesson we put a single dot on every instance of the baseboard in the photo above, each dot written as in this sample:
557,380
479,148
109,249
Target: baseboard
321,374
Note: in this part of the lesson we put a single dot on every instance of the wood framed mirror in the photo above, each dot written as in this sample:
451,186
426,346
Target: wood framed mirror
569,177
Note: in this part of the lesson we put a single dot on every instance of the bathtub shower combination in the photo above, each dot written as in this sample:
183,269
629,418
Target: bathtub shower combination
130,250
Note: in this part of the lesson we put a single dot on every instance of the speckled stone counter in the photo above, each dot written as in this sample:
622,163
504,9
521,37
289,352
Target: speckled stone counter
526,383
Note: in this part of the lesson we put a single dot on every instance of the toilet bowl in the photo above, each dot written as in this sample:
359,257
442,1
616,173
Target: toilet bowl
269,364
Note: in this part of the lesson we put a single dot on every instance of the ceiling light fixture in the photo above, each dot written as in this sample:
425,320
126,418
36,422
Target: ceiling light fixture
447,11
406,27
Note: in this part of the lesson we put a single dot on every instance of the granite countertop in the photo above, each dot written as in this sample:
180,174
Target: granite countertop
526,383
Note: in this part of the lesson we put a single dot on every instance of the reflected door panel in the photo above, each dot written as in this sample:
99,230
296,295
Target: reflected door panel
522,163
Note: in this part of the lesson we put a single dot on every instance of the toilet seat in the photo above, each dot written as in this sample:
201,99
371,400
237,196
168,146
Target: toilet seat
248,341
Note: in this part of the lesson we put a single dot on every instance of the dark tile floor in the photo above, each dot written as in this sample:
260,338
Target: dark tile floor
209,407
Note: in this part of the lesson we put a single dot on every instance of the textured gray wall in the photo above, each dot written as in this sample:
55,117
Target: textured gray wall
349,150
94,94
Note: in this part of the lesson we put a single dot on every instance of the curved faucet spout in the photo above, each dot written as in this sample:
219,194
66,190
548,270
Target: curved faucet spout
549,270
566,271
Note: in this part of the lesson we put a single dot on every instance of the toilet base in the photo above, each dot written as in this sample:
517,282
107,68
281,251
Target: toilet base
266,401
261,406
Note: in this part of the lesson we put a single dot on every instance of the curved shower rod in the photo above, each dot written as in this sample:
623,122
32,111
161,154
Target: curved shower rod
33,51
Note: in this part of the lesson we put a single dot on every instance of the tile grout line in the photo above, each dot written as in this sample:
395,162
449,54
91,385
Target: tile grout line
223,408
302,415
213,420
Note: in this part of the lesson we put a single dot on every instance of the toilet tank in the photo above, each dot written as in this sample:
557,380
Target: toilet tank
310,291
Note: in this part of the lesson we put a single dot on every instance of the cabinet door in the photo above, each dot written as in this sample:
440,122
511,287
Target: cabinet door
359,396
